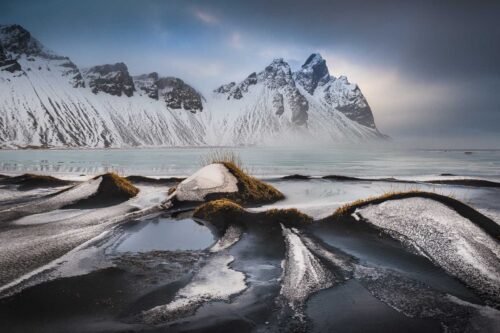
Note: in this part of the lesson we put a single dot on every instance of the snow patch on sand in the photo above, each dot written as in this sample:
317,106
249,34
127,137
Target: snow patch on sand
231,236
451,241
214,281
76,193
213,178
303,272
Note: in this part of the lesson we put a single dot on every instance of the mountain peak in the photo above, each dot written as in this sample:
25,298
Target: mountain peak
278,63
312,72
18,40
313,60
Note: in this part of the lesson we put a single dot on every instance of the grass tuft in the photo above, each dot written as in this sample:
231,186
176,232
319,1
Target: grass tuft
250,189
286,215
220,206
222,156
223,212
115,186
349,208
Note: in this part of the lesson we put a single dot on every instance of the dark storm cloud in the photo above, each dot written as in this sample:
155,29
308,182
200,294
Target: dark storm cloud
446,38
428,67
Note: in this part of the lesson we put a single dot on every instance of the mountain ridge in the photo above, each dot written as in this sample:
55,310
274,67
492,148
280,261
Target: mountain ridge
47,101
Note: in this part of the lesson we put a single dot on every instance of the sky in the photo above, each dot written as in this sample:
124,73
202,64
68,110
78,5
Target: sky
430,70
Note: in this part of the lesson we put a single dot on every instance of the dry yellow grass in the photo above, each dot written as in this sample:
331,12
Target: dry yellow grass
286,215
222,156
220,206
114,185
226,211
250,189
349,207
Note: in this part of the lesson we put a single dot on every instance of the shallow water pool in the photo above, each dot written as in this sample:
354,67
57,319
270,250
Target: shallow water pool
164,234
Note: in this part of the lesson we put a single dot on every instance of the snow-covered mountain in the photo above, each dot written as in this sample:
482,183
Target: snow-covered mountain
47,101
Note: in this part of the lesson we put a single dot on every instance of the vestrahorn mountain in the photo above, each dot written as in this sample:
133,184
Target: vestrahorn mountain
47,101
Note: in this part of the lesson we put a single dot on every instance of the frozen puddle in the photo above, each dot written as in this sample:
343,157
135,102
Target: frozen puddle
215,281
451,241
166,235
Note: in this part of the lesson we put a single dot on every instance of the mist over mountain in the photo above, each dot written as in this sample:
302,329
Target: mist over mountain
48,101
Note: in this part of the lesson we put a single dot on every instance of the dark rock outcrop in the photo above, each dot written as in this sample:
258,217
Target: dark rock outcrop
313,72
6,64
179,95
111,79
348,99
279,78
148,84
343,96
16,39
18,42
176,93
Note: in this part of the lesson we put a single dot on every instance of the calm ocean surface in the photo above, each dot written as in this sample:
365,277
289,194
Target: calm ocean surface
368,162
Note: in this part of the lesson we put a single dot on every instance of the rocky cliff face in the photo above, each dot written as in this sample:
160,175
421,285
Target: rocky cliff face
173,91
147,83
314,77
7,64
20,47
278,78
110,79
314,72
179,95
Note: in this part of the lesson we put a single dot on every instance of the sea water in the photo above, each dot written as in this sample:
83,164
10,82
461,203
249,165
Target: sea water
260,161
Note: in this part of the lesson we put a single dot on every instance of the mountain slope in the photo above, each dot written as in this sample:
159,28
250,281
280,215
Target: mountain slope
276,106
47,101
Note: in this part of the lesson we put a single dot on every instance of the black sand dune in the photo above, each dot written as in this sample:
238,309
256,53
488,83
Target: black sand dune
112,190
30,181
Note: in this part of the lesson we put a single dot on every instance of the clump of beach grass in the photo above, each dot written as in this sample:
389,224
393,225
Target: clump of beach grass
223,212
250,189
114,185
349,207
220,206
222,156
